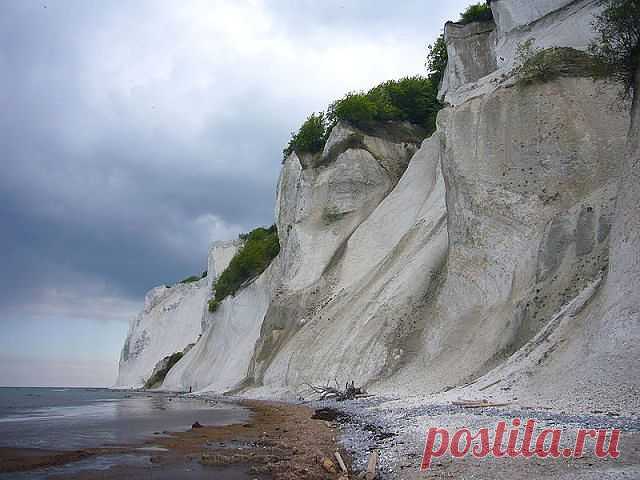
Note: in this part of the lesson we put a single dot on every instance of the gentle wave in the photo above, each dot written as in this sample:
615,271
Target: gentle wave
27,418
101,408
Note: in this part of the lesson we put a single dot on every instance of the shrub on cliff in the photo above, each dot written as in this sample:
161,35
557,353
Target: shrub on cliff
355,107
437,58
412,99
260,248
480,12
311,136
618,43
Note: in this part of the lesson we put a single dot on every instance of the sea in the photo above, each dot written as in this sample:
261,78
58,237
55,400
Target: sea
77,418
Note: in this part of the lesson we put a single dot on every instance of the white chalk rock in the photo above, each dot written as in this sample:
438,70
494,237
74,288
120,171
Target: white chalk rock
323,198
389,262
173,317
220,254
532,176
169,322
220,360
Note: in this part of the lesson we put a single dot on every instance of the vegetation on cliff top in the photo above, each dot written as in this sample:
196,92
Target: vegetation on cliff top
412,99
310,138
479,12
260,248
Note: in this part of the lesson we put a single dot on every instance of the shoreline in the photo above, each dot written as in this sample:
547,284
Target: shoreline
279,441
290,440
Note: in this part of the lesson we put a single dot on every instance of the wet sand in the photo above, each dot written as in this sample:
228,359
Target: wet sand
19,459
279,441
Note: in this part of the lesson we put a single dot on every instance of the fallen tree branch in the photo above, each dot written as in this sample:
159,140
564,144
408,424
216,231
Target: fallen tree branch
327,392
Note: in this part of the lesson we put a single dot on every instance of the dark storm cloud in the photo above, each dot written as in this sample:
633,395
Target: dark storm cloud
134,133
102,187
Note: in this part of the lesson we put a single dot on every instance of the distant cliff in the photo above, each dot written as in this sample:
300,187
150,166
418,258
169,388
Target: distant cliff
173,318
501,250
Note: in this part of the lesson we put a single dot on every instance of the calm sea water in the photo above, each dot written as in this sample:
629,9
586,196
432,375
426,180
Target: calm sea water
72,418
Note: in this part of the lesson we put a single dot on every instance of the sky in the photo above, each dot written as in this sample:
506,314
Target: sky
135,133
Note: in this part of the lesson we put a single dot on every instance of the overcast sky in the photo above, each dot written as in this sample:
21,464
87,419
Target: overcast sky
133,133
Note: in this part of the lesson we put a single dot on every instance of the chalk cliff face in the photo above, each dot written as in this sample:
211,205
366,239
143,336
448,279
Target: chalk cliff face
220,360
173,317
321,201
530,202
169,322
503,249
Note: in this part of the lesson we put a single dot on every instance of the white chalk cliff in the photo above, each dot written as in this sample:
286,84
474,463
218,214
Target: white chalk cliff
173,318
503,248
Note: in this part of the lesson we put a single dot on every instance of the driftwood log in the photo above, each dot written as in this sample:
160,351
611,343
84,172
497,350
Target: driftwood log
478,403
372,466
343,467
328,392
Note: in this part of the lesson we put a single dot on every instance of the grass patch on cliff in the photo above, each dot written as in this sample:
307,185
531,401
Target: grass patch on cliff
615,54
543,65
158,377
260,247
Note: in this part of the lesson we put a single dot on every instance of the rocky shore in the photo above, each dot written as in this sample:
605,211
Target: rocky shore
397,428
